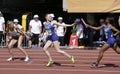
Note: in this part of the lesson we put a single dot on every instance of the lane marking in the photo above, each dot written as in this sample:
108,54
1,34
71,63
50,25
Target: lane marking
68,70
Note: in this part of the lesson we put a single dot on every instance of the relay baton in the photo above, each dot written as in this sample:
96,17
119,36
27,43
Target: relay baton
84,22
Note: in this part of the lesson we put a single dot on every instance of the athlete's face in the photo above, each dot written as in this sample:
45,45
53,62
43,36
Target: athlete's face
48,17
51,18
15,23
60,20
107,21
11,25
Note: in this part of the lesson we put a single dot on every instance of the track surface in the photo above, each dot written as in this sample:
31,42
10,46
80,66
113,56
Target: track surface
110,64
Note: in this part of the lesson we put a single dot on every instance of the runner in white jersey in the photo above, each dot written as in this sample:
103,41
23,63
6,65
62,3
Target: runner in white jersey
16,24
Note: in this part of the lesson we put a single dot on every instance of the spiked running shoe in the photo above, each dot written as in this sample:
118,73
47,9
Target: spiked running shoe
10,59
72,59
94,64
50,63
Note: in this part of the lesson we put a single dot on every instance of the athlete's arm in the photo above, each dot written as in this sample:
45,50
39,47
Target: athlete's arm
66,25
95,28
114,29
7,39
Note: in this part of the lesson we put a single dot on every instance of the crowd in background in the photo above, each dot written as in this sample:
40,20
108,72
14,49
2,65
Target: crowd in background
36,27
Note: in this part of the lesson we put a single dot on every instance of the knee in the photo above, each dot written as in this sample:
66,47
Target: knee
9,46
44,49
19,46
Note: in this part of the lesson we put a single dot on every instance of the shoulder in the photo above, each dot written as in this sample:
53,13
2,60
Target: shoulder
44,23
32,20
39,21
63,23
110,26
19,25
2,18
54,22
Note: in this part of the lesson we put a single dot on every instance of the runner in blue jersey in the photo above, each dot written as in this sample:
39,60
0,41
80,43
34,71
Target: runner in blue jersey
53,38
111,41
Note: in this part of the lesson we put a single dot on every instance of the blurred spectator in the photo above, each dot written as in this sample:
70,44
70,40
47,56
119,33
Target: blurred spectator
35,28
43,39
29,41
2,27
79,32
61,30
17,25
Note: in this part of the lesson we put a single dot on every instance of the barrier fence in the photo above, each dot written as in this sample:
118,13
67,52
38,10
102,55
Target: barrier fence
25,44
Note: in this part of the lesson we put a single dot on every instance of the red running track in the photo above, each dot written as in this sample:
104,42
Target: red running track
110,64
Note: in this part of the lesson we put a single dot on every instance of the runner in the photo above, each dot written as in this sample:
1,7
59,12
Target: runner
111,41
17,36
53,38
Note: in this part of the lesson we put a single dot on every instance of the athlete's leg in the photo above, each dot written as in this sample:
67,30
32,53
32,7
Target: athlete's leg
45,48
12,42
56,45
21,49
116,48
101,52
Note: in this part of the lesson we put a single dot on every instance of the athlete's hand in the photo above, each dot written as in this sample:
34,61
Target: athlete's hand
86,25
73,24
114,34
27,37
41,35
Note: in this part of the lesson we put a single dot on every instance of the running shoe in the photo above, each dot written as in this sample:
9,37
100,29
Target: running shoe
50,63
72,59
94,64
10,59
27,59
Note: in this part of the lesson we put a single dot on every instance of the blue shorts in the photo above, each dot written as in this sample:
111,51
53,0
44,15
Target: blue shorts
111,41
53,37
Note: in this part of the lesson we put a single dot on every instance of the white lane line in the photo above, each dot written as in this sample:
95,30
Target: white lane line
67,70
